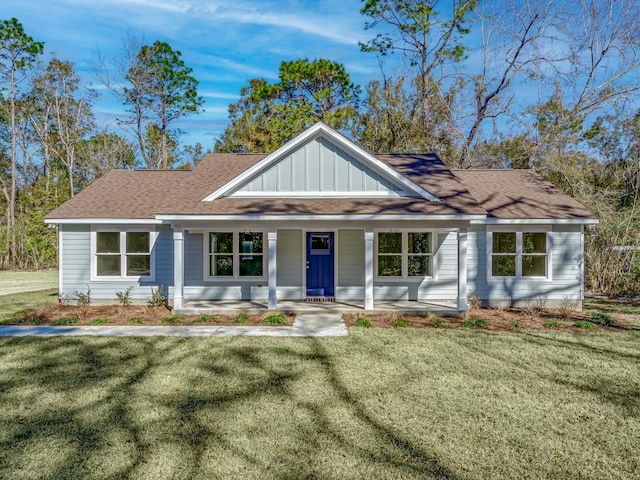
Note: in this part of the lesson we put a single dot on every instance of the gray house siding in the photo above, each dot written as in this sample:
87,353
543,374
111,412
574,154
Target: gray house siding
350,285
566,267
75,260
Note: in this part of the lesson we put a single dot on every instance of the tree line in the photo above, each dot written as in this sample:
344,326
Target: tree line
549,85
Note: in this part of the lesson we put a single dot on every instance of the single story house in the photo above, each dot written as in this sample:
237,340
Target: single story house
323,219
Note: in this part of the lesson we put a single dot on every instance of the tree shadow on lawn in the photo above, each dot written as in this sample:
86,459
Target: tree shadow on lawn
192,408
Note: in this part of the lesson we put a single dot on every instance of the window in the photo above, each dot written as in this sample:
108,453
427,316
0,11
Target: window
519,254
405,254
122,254
235,254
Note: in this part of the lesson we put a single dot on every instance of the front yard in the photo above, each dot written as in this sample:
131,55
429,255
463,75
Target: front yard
381,403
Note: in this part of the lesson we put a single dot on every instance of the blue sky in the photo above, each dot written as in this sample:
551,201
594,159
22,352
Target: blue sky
226,42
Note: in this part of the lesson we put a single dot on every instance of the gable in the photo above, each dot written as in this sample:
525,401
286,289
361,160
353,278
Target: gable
320,163
319,166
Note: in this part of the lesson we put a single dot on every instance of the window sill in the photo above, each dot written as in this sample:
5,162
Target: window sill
235,279
123,279
402,279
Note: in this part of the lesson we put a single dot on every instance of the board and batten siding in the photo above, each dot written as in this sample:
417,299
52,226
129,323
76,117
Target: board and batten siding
319,166
566,265
75,258
444,286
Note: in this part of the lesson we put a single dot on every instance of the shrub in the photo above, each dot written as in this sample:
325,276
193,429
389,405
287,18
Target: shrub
437,323
66,321
169,320
553,323
124,297
158,297
206,319
241,319
275,319
400,323
82,299
601,319
392,316
586,324
138,320
567,307
474,302
101,321
363,322
475,323
515,324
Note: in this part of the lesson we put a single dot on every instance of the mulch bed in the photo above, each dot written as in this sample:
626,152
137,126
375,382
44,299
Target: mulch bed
56,314
497,320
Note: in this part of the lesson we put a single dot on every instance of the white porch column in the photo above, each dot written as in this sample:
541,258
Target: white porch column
178,267
462,269
272,242
368,269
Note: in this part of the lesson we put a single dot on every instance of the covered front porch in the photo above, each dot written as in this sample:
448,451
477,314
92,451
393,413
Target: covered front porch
320,266
415,307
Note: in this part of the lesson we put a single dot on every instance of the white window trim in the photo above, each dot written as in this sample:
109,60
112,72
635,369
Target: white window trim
519,230
236,257
405,255
123,230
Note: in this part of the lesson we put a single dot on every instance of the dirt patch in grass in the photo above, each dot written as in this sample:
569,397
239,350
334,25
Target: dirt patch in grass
497,320
59,314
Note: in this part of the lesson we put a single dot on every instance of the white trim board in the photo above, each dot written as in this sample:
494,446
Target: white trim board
102,221
320,130
372,216
537,221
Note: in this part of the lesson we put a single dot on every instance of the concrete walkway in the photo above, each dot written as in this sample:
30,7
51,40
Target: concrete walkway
320,325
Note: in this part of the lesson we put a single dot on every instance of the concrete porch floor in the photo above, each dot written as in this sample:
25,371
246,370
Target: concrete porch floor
203,307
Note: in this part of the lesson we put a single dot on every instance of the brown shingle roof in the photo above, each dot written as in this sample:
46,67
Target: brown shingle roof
520,194
143,194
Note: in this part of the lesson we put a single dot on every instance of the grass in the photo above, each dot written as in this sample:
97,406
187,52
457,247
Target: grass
275,319
206,319
241,319
554,323
101,321
586,324
10,304
475,323
363,322
26,281
394,403
66,321
169,320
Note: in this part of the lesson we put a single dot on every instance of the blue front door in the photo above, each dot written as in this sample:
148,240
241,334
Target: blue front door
320,264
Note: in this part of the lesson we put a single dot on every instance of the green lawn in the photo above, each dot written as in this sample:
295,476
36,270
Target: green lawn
381,403
15,302
25,281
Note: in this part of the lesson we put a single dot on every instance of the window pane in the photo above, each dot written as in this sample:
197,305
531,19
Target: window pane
534,242
389,242
419,242
504,242
221,266
108,265
534,266
503,265
137,242
221,242
138,265
249,243
419,265
390,266
108,242
251,267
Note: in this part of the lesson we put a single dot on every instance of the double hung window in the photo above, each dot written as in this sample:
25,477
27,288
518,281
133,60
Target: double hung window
404,254
519,254
123,254
235,254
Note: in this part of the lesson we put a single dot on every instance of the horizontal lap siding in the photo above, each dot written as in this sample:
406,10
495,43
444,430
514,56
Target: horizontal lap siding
76,266
566,263
289,259
350,265
443,287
